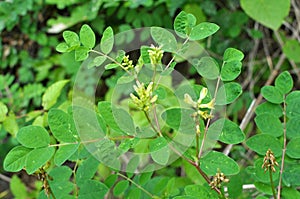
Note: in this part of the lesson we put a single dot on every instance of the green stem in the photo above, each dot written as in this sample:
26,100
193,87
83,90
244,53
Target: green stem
153,127
169,64
111,59
272,183
208,121
137,185
197,144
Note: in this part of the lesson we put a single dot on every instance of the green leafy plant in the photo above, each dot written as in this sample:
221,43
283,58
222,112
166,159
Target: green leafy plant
276,121
37,149
151,123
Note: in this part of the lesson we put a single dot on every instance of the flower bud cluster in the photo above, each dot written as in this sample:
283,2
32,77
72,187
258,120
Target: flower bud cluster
269,161
155,54
199,105
127,63
218,179
144,97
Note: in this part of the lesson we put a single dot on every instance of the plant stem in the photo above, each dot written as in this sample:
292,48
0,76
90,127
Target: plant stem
91,141
208,121
170,62
137,185
272,183
283,150
111,59
197,144
195,164
153,127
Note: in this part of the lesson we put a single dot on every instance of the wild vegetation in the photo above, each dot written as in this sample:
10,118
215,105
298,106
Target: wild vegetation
150,99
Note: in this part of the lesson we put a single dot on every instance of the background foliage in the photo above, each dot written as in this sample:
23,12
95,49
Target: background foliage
267,111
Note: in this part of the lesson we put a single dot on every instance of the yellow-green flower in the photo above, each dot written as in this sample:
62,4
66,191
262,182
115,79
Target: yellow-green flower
144,97
198,105
127,63
155,54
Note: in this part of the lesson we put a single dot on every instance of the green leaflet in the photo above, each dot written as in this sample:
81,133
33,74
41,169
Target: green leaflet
33,137
291,174
262,142
15,159
107,40
159,150
64,152
231,70
288,192
232,54
62,47
183,24
293,149
203,30
292,127
293,104
232,65
132,165
10,124
284,82
120,187
52,93
179,119
111,180
87,36
62,126
292,50
264,188
97,61
86,170
111,66
107,153
3,111
226,131
71,38
37,158
200,191
145,54
116,118
207,67
92,189
61,178
164,38
269,108
268,13
81,53
272,94
228,93
269,124
214,160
